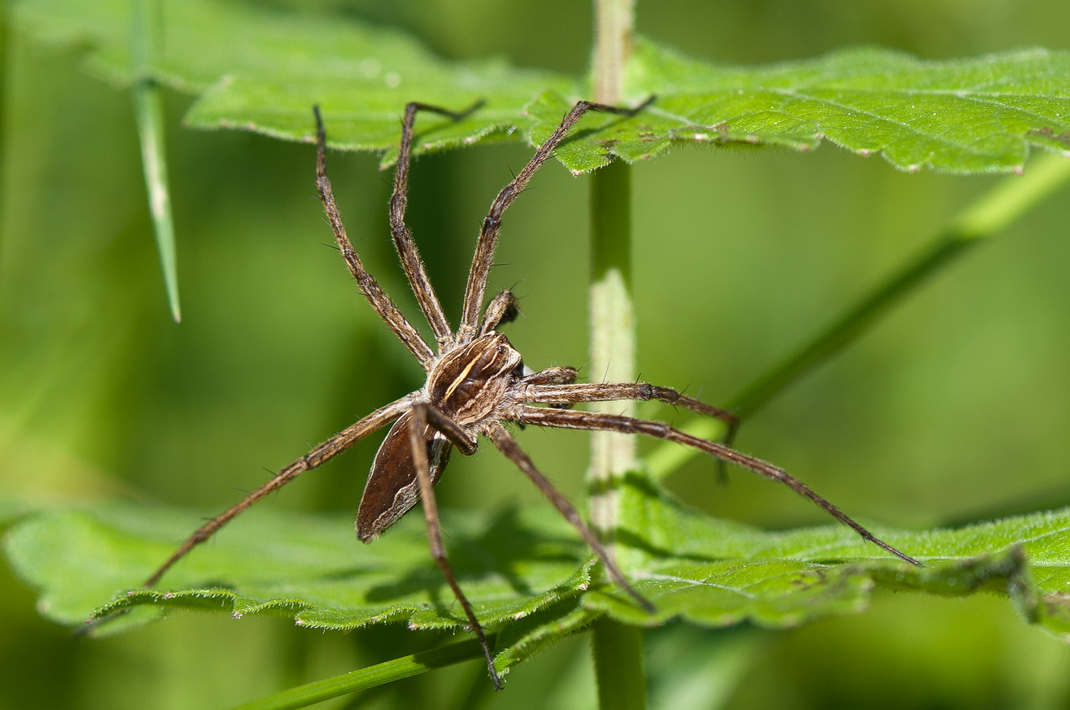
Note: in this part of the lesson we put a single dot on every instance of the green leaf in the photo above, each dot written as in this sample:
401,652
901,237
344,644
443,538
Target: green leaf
715,573
261,70
963,116
308,567
525,573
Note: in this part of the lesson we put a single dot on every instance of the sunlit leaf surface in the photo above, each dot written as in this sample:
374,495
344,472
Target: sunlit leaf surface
262,71
515,565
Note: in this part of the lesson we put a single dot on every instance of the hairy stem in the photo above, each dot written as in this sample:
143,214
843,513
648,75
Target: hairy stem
612,331
612,44
618,663
617,648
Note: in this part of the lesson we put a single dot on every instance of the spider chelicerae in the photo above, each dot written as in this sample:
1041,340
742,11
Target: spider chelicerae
477,383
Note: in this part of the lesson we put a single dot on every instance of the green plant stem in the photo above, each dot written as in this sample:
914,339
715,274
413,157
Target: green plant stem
370,677
618,662
614,21
612,330
617,648
1009,200
611,311
148,114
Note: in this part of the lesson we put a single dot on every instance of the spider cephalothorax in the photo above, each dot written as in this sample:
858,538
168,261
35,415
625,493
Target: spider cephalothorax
476,383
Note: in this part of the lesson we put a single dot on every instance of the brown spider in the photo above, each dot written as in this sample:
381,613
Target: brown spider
476,382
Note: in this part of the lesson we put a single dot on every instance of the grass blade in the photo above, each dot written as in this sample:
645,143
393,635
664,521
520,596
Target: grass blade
148,114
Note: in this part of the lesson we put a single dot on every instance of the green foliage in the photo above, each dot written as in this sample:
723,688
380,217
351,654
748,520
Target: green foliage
261,71
525,572
961,116
305,566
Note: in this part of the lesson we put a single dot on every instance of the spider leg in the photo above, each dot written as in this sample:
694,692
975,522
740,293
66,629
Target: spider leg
503,308
595,421
488,234
380,302
607,392
313,459
550,376
568,393
399,231
508,446
423,415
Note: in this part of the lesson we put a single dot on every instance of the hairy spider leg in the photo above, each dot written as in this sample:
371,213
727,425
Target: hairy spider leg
598,421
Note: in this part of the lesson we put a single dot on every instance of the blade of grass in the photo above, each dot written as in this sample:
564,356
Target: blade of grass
5,69
370,677
987,216
148,114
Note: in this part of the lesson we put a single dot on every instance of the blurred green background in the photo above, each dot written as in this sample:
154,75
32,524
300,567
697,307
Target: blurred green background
953,409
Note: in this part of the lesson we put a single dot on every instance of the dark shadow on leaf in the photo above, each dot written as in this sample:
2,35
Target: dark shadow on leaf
642,486
501,549
1001,572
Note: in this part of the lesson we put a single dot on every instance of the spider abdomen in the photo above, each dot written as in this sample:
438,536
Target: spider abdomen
392,488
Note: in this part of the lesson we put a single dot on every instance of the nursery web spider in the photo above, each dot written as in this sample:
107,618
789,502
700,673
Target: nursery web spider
476,383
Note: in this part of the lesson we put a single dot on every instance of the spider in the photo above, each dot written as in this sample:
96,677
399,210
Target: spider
476,383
